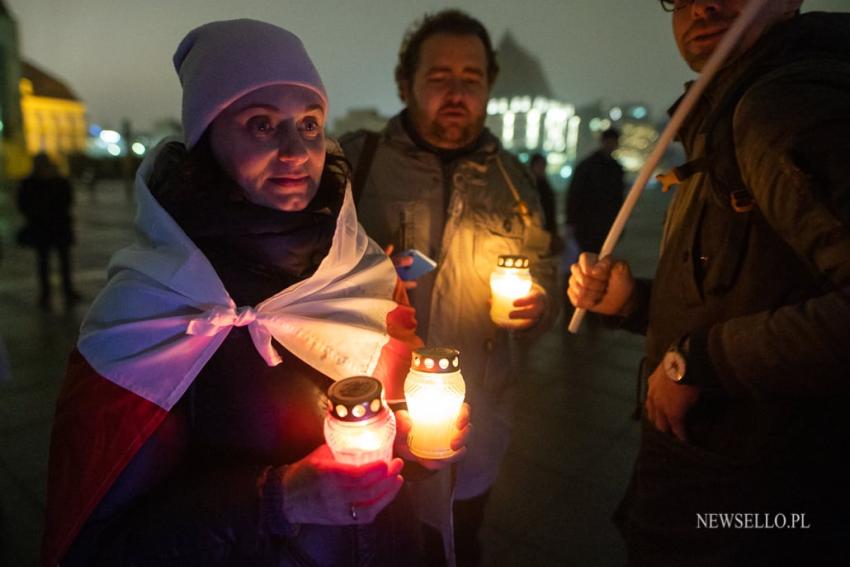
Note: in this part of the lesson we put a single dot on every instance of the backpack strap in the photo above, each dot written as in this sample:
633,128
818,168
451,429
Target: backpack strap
364,164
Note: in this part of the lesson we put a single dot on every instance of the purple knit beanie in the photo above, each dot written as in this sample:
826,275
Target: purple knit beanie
221,61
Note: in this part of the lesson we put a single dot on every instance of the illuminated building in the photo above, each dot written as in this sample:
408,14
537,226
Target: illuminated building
638,134
13,160
54,118
525,114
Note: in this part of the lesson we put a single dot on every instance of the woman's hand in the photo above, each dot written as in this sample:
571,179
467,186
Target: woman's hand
319,490
458,442
400,261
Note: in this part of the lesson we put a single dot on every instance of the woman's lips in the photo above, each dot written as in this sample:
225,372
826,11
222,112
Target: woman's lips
290,182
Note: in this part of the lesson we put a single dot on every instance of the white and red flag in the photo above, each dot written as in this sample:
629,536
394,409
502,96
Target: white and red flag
163,314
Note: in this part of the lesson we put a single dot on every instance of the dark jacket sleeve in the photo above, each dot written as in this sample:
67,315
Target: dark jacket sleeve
792,147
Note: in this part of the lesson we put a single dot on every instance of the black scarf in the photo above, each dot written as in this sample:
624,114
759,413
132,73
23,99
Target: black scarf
255,250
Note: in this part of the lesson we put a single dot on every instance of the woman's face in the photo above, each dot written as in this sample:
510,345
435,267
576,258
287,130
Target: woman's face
272,143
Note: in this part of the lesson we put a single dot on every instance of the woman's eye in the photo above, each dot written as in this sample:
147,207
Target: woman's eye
311,126
260,125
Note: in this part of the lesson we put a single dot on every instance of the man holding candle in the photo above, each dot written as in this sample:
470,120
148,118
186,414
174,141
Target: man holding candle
748,348
435,179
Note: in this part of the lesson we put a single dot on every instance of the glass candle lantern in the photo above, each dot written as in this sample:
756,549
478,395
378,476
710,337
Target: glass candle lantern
510,281
434,390
359,427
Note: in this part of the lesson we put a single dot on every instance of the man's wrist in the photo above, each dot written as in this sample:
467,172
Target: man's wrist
687,361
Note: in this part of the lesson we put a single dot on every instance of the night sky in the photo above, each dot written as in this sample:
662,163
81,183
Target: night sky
116,54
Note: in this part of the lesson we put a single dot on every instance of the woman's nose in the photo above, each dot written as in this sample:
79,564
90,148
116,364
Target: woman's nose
291,146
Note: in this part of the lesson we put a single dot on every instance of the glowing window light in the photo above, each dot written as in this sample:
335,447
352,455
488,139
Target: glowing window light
113,149
555,125
541,104
110,136
508,129
434,390
566,172
532,128
572,135
520,104
497,106
138,148
510,281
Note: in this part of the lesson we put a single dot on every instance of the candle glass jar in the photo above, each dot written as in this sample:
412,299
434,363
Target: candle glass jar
510,281
359,427
434,390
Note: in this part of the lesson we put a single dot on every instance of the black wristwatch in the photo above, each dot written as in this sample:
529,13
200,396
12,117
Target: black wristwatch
675,361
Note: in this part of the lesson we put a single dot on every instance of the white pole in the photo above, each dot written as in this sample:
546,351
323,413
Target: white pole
715,62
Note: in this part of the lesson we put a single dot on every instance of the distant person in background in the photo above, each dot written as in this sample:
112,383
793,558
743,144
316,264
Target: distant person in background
596,194
537,163
45,199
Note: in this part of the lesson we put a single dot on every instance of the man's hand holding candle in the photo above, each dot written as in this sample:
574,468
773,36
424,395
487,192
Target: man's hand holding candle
458,442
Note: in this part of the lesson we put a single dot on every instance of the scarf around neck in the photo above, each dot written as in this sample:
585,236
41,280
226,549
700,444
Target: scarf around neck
164,311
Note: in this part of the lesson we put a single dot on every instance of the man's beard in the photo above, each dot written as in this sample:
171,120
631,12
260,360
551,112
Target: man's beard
446,136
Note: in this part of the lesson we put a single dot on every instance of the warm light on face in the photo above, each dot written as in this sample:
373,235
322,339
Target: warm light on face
434,401
271,142
507,284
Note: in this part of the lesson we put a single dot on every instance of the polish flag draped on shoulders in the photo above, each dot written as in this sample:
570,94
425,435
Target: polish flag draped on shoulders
163,314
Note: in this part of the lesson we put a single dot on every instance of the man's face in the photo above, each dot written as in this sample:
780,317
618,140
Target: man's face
699,26
447,99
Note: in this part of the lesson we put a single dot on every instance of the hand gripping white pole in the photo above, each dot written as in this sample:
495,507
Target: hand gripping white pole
715,62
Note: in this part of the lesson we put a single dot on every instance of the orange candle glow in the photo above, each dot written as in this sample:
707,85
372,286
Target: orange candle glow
434,390
510,281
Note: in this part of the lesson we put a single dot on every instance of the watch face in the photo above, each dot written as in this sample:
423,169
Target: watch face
674,366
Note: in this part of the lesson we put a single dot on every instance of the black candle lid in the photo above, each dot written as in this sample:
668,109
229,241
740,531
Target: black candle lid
436,360
355,399
508,261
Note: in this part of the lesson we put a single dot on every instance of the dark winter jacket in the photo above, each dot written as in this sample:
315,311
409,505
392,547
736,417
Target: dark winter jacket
765,297
594,198
45,203
196,493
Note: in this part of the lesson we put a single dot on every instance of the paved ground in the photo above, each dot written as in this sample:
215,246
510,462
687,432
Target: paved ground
571,451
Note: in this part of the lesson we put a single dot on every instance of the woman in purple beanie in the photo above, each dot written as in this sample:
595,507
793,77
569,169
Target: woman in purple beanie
189,427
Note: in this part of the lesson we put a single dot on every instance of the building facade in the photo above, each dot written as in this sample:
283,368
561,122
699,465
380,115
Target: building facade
54,117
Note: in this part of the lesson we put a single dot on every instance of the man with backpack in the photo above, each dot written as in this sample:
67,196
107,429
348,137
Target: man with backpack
437,181
745,446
